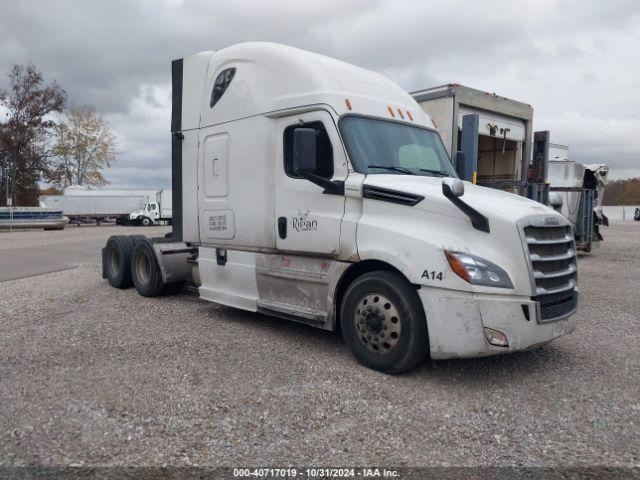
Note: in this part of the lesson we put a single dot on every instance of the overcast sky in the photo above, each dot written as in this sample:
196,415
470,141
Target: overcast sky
576,62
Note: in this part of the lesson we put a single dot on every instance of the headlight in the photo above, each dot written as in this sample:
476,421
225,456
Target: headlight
478,271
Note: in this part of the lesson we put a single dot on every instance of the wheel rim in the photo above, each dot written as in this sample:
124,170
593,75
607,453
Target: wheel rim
114,261
377,323
143,267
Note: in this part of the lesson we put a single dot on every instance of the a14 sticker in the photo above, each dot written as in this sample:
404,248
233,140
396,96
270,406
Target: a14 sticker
432,275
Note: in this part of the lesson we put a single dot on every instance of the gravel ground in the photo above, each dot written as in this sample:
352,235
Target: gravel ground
93,375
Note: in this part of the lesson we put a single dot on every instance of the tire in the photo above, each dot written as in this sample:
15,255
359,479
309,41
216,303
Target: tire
118,261
383,322
137,238
146,222
145,271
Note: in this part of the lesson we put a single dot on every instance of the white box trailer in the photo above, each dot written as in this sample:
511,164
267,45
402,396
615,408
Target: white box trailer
80,190
307,188
93,207
493,131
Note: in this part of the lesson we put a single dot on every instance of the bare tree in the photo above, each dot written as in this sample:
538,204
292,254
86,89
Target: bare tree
85,145
25,132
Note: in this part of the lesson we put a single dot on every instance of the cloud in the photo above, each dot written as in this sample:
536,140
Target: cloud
595,138
144,141
573,60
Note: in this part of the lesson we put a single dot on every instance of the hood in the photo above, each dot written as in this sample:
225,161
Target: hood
492,203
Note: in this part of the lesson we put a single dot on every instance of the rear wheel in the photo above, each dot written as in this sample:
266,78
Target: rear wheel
137,238
118,261
145,270
383,322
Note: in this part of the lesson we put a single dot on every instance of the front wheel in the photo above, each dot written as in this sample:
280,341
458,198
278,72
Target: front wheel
383,322
147,222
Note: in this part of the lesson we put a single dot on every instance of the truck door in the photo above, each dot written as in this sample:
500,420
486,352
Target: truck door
306,219
153,210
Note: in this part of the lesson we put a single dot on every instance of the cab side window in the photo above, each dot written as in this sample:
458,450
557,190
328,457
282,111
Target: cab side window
324,150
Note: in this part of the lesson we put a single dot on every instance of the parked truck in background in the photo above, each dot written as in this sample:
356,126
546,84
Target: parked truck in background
497,149
154,212
576,191
493,132
313,190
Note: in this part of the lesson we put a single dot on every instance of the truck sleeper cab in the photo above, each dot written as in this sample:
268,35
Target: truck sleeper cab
314,190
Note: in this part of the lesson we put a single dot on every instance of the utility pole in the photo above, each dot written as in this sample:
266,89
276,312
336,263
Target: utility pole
9,196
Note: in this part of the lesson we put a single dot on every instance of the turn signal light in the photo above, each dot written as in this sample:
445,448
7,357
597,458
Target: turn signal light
457,266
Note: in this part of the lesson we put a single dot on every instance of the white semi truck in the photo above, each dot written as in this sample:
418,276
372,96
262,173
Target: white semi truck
310,189
154,212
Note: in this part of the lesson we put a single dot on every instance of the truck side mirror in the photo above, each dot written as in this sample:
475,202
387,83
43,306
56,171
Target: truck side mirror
460,161
452,187
304,150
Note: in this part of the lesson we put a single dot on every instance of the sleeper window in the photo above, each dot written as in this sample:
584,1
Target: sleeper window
221,84
324,150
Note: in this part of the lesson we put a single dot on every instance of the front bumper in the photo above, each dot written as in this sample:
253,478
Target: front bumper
456,323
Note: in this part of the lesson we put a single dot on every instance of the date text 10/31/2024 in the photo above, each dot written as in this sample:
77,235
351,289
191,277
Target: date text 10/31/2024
315,473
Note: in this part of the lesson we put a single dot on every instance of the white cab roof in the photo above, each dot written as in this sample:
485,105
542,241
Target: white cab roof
271,77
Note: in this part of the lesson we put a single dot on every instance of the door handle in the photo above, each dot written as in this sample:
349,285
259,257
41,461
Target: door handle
282,227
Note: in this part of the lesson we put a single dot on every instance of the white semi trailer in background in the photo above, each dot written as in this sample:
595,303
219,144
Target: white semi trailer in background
81,191
310,189
95,208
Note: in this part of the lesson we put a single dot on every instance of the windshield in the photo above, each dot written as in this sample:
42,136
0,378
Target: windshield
382,146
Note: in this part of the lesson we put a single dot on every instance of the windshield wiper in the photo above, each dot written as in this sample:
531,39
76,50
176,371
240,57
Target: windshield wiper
435,172
406,171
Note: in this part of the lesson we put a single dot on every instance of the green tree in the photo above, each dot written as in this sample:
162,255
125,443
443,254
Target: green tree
85,145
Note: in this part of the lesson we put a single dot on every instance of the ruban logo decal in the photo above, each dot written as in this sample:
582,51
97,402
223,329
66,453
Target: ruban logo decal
302,223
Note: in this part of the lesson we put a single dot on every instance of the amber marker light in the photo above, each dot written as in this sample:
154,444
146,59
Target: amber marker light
457,266
409,115
401,114
391,111
348,103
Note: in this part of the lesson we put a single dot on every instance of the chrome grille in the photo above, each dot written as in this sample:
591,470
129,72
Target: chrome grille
554,269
